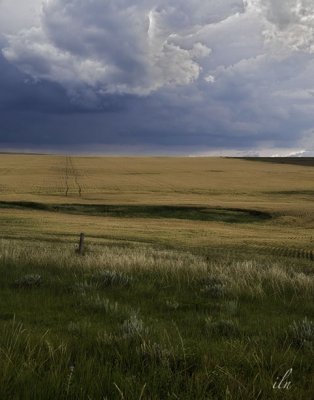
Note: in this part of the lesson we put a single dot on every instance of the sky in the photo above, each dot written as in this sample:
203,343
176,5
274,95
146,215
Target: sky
157,77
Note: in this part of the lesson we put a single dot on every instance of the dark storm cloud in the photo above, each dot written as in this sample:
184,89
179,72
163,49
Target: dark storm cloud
19,93
195,76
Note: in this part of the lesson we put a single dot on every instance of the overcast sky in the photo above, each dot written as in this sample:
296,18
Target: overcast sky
196,77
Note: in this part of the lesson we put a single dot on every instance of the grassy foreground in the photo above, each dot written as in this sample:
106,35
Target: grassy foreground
139,322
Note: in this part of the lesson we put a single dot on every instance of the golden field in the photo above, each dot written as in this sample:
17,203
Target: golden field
285,191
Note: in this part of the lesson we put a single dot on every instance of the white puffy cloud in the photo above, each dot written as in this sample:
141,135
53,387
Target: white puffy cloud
258,152
288,24
115,46
209,79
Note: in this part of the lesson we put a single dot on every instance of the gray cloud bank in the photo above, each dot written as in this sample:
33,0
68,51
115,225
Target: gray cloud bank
202,75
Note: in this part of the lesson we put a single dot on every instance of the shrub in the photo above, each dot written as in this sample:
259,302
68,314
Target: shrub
105,338
133,327
212,286
29,281
302,332
79,328
81,288
100,304
216,290
172,304
155,353
222,327
210,280
110,278
230,307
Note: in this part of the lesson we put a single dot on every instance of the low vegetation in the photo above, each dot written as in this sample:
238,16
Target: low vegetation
137,322
136,211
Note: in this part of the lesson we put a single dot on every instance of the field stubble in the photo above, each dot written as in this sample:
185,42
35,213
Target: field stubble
283,191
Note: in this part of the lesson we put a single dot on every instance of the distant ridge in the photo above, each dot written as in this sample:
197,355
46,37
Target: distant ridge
26,154
303,161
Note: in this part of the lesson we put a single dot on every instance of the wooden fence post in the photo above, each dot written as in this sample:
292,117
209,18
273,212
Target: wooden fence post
81,244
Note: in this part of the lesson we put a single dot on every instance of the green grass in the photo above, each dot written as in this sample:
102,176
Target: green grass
150,211
149,323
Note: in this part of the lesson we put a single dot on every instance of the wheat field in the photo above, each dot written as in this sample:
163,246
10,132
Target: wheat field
284,191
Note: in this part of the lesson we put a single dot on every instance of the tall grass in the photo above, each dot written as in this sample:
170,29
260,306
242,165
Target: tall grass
144,323
247,278
256,280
